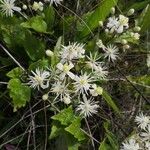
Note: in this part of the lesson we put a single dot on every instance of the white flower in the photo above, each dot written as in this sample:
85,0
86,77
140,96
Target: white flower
147,145
111,52
45,97
123,22
54,1
87,107
112,23
60,89
37,6
100,72
131,144
82,83
93,61
67,99
40,79
8,7
142,120
72,51
146,135
96,90
65,70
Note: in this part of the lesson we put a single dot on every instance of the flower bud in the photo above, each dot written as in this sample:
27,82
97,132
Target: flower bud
24,7
130,12
67,100
106,30
101,23
49,53
112,10
137,29
126,46
45,97
123,41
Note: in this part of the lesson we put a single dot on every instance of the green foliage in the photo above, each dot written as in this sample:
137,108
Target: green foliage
99,14
66,123
75,130
139,5
49,17
19,93
110,102
65,117
36,23
54,58
55,130
145,24
42,64
104,145
35,48
15,73
110,142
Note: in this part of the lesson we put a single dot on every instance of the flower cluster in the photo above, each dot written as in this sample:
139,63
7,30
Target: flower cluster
121,32
68,83
141,140
8,6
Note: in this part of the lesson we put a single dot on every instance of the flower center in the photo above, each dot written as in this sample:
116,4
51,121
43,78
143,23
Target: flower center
66,68
38,79
83,81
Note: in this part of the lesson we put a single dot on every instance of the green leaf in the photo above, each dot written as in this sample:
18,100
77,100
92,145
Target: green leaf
49,17
41,64
55,130
104,146
37,23
138,5
75,130
110,102
15,73
65,117
73,144
99,14
19,93
144,19
34,47
111,137
54,58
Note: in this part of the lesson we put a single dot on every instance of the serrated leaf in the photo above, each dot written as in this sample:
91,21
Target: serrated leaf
65,117
99,14
75,130
110,102
15,73
55,130
37,23
19,93
34,47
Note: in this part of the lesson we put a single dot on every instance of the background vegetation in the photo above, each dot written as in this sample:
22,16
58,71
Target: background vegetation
31,126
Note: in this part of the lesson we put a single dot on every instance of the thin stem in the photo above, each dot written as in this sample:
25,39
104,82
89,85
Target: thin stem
90,133
6,51
45,145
